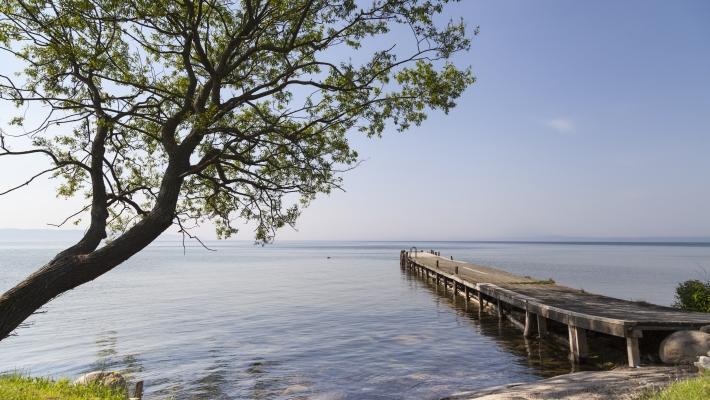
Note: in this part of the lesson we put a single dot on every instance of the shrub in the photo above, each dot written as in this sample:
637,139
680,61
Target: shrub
693,295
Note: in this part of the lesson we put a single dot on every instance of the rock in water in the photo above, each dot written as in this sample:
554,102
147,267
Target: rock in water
114,380
705,329
684,347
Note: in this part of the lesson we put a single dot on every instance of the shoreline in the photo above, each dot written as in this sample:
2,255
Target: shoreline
619,384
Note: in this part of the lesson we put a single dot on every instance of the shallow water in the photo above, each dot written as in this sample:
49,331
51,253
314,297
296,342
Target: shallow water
287,322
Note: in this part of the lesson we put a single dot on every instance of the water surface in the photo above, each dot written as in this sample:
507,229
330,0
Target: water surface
320,320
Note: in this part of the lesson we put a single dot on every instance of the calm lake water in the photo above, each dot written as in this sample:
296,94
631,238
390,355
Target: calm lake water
315,320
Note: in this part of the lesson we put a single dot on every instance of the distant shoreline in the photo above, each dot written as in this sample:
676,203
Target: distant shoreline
35,236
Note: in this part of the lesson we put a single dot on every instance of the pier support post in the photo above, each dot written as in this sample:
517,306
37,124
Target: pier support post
500,310
632,350
577,343
480,300
465,293
541,325
527,332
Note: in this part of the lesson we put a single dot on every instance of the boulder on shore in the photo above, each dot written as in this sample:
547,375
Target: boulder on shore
684,347
703,363
114,380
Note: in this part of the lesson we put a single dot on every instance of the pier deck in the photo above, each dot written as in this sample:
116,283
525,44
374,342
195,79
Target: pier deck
544,300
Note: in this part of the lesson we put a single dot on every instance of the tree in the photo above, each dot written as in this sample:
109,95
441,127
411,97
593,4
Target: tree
181,112
693,295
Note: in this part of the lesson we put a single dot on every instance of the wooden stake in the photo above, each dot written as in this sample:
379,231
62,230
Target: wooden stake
138,391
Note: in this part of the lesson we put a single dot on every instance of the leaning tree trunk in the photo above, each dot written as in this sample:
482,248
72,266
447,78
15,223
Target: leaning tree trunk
72,268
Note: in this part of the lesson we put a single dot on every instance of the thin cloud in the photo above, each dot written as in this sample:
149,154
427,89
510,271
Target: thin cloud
561,125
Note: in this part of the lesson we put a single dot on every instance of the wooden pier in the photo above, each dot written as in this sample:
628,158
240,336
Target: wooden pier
544,301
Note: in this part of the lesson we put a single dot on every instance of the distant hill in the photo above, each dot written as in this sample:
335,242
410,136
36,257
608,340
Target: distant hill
60,236
40,235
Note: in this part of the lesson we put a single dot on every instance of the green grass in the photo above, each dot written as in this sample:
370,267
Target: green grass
691,389
19,387
540,282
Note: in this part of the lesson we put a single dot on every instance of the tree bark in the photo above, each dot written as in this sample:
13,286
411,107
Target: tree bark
71,268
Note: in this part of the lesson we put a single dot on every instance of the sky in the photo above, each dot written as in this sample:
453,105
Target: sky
587,120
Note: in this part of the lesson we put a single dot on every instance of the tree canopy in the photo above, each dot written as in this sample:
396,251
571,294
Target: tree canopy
253,98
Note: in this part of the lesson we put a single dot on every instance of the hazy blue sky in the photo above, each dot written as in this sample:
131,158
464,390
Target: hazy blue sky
588,119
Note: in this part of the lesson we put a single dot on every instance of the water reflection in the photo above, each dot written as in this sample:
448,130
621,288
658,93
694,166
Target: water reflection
108,357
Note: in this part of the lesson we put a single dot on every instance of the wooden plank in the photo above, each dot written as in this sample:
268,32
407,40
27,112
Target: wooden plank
600,324
558,303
